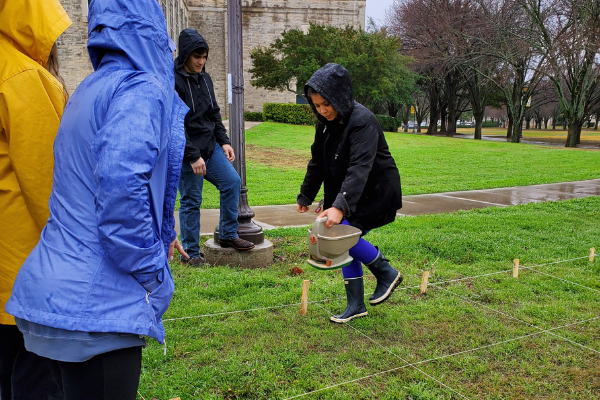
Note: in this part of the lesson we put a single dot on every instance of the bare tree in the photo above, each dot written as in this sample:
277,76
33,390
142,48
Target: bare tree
567,34
519,69
431,32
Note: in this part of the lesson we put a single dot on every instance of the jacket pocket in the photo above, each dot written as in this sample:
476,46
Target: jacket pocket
159,299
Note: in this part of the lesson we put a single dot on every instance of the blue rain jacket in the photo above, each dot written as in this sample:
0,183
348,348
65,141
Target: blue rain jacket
101,262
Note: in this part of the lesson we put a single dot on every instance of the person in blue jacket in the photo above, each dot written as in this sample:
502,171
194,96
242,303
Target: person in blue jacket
98,282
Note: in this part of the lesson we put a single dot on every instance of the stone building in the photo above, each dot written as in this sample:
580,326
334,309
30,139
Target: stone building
263,22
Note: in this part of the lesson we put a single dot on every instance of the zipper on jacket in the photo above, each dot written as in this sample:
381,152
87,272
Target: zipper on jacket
147,300
208,90
191,95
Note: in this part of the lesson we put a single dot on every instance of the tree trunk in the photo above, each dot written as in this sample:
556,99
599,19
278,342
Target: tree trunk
509,130
406,117
517,132
392,109
443,117
478,122
434,111
451,89
574,132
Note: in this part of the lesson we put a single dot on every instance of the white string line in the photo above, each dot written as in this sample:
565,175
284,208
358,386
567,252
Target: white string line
565,280
507,270
407,363
446,356
253,309
141,395
339,298
516,319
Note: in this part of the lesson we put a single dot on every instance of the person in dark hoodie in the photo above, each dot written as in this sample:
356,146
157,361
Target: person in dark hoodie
351,158
208,152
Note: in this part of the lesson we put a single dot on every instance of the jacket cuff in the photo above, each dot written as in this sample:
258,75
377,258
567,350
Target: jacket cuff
223,141
341,203
192,157
303,200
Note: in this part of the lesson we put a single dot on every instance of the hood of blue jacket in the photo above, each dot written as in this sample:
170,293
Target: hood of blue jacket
137,29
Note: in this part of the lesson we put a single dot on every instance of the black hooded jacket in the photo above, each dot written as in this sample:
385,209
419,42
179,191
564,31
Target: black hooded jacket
203,124
350,157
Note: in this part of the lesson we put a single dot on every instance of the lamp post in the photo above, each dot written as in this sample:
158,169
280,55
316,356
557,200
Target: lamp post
247,228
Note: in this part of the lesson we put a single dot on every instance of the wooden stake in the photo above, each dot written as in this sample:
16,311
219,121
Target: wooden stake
424,282
592,254
516,268
304,302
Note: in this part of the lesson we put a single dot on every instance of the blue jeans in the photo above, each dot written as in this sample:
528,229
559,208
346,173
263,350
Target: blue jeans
225,178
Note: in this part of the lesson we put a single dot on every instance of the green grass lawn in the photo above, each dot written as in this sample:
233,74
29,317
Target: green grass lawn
478,333
277,155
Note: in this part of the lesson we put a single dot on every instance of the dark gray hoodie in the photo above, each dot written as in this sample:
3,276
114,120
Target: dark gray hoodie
203,124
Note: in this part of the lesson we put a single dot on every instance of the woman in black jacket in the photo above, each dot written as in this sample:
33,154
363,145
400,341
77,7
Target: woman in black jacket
351,158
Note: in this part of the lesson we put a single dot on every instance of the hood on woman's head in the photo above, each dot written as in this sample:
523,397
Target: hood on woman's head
33,26
334,84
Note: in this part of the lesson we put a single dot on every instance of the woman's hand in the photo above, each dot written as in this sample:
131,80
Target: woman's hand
301,209
176,245
334,216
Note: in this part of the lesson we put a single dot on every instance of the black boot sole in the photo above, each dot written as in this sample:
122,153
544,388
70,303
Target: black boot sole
389,292
350,318
230,245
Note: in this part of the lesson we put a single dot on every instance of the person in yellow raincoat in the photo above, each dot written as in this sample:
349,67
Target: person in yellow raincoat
32,99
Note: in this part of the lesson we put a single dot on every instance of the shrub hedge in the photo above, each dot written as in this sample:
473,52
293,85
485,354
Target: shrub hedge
296,114
389,124
253,116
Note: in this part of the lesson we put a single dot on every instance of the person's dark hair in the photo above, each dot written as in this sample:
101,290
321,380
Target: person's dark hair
200,50
310,92
53,67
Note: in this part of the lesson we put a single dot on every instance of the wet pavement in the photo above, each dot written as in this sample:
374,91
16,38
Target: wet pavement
270,217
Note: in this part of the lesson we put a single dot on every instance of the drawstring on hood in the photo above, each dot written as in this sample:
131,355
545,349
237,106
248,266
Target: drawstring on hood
190,40
334,84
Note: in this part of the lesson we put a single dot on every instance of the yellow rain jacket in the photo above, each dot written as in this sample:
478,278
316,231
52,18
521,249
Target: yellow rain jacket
31,104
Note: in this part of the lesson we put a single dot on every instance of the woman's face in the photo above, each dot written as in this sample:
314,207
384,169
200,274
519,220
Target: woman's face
323,107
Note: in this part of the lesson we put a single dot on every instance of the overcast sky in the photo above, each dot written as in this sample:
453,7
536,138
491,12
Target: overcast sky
376,9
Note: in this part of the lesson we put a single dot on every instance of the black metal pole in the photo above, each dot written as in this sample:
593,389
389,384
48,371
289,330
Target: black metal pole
247,229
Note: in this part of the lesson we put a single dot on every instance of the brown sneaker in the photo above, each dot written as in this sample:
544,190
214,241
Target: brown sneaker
237,243
194,262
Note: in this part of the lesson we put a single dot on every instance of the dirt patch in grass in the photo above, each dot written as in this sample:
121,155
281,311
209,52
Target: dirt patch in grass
276,157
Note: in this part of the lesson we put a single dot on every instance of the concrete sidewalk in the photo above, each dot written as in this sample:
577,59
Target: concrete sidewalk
270,217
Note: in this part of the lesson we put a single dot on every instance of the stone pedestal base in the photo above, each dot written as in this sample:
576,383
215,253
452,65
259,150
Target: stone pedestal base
260,256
